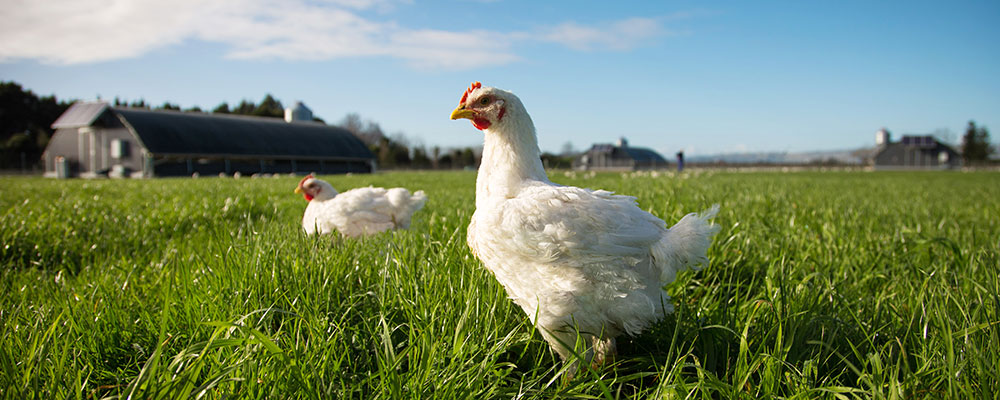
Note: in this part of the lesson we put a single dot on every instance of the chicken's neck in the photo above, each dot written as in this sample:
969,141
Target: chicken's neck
326,192
511,160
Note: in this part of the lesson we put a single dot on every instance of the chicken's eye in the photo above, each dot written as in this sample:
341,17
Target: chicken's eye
484,101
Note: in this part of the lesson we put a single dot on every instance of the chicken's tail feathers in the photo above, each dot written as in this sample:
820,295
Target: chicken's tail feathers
400,198
406,206
415,202
685,244
419,198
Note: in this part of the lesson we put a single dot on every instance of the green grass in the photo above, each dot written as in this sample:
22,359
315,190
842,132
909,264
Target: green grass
822,285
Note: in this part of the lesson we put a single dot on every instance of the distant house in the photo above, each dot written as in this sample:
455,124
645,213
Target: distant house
619,156
96,139
913,152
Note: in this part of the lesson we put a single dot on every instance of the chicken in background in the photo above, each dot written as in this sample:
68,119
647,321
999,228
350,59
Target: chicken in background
580,262
356,212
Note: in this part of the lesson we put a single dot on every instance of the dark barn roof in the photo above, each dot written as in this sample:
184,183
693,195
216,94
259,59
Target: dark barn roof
644,155
619,156
179,133
195,134
639,154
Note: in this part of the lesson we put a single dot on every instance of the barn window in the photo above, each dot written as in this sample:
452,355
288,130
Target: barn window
119,148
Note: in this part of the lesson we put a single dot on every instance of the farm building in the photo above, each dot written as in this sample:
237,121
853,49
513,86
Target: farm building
619,156
913,152
95,139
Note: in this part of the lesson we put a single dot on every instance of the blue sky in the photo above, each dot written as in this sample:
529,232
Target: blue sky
705,77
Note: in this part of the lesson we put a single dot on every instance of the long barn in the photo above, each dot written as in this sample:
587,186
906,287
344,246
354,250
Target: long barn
619,156
95,139
913,152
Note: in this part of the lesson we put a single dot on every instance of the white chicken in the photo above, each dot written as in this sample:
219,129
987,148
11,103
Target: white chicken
356,212
581,263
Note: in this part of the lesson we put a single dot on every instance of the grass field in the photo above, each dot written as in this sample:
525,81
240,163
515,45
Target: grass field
822,285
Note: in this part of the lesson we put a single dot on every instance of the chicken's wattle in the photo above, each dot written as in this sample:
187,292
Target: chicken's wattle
481,123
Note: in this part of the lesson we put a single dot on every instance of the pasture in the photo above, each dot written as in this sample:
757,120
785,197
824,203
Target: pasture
822,285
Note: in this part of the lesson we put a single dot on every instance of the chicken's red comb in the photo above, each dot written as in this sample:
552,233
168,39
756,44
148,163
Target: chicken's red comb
304,179
475,85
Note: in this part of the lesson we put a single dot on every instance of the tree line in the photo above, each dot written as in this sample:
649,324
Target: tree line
24,125
268,107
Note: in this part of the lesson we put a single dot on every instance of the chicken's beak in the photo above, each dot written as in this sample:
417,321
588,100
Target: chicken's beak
462,112
298,190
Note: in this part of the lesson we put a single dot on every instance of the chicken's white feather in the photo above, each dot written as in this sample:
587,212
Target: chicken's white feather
576,260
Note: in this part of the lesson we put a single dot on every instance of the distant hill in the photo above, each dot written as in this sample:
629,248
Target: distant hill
855,156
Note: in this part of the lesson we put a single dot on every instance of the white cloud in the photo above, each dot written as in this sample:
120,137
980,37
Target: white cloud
83,31
454,50
87,30
619,35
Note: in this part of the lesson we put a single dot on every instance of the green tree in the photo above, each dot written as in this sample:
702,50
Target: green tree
550,160
222,109
976,146
420,158
468,157
445,161
269,107
392,153
245,107
168,106
25,124
462,158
